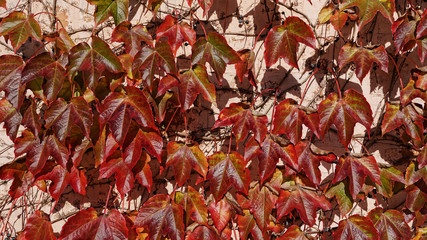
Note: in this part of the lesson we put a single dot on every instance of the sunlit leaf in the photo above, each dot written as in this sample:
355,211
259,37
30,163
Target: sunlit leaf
19,27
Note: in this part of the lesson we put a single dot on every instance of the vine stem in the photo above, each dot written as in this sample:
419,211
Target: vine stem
397,69
234,229
170,121
259,34
7,219
108,198
185,125
44,13
306,86
336,81
229,143
204,30
274,110
361,144
267,90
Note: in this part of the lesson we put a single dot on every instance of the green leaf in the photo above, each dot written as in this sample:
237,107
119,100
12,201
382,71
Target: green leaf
118,9
131,37
368,9
341,192
19,27
356,227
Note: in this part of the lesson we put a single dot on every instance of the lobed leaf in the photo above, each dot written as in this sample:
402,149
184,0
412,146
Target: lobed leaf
19,27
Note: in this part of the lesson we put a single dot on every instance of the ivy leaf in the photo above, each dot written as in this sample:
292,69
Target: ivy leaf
142,171
31,119
357,227
131,37
119,109
176,32
390,224
356,169
289,118
415,198
282,41
10,78
86,224
203,233
62,116
216,51
118,9
344,113
410,92
11,118
19,27
226,170
205,5
149,60
220,212
193,82
248,225
93,61
195,207
51,70
407,116
61,178
363,58
160,216
245,67
310,161
368,9
184,158
122,172
342,193
145,138
420,78
422,158
22,178
241,117
304,201
293,232
39,227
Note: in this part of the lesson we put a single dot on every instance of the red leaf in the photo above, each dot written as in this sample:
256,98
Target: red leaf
123,174
119,109
293,232
62,116
203,233
216,52
390,224
416,198
304,201
118,9
220,213
282,41
19,27
149,60
288,119
61,178
310,161
367,10
363,58
342,193
226,170
87,225
407,116
195,207
93,61
193,82
176,32
184,158
22,178
410,92
356,169
422,158
146,139
248,225
142,171
344,113
31,119
11,118
160,216
241,117
205,5
420,78
356,227
10,78
131,37
338,20
39,227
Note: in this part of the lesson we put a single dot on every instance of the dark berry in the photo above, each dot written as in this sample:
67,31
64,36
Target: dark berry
240,21
247,21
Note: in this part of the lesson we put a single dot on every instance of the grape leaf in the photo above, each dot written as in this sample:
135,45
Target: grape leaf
248,225
204,4
241,117
203,233
193,82
216,51
415,198
145,138
87,225
245,67
363,58
356,169
119,109
344,113
185,157
310,161
19,27
131,37
220,212
408,117
51,70
31,119
176,32
39,227
368,9
289,118
62,116
420,78
282,41
61,178
293,232
10,78
22,178
304,201
149,60
390,224
160,216
93,60
226,170
342,193
11,118
142,171
194,206
356,227
118,9
410,92
122,172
